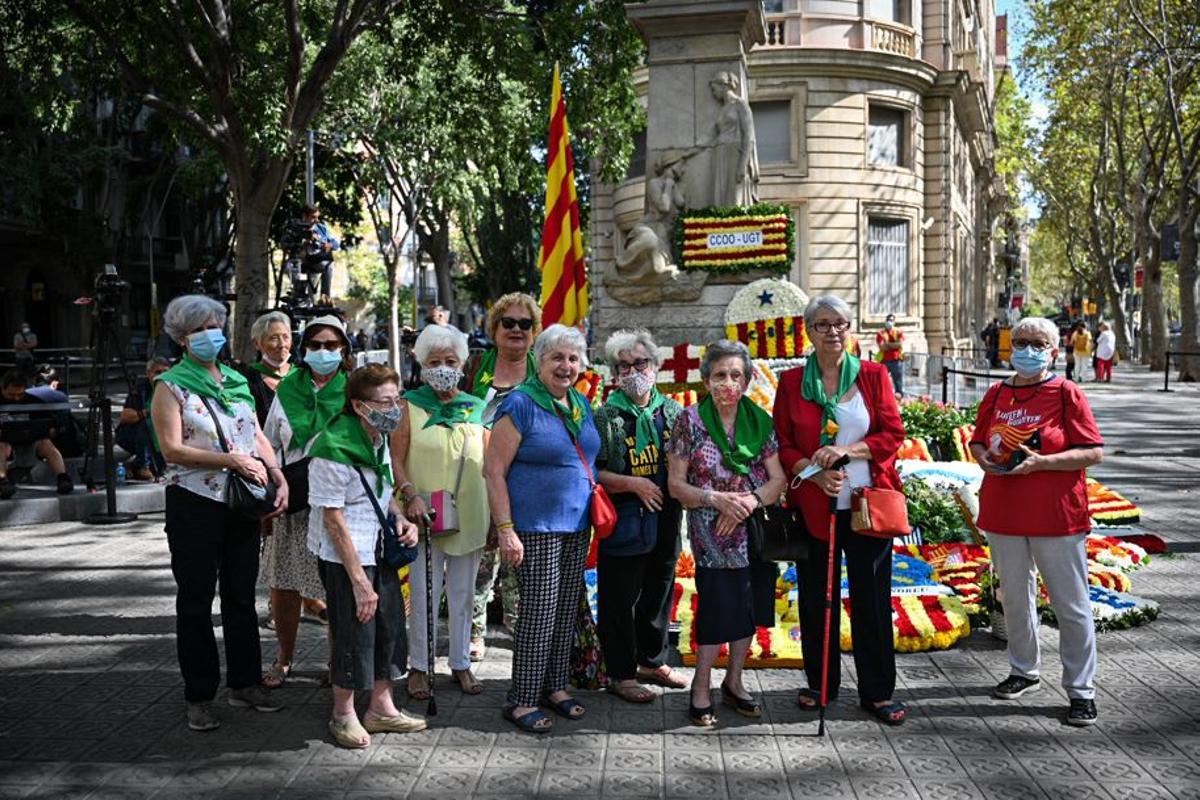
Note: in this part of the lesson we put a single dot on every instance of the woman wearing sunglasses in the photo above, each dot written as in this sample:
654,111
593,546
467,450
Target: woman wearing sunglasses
306,400
513,322
1035,437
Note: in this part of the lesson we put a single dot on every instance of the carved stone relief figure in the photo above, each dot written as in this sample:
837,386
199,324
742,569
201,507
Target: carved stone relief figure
734,159
647,255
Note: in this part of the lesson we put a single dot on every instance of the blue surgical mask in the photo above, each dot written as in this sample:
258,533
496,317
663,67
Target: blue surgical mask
323,362
206,344
1030,363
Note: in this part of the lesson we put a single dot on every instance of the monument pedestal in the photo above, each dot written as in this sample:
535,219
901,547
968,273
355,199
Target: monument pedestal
697,126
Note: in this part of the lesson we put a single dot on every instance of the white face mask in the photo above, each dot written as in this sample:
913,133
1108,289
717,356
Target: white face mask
442,378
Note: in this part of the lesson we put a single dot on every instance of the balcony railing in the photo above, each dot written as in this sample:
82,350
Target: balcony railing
796,29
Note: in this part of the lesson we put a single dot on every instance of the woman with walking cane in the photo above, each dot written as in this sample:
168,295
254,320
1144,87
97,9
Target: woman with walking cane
837,406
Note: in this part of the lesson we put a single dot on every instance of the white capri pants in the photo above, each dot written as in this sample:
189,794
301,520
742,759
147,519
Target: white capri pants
456,574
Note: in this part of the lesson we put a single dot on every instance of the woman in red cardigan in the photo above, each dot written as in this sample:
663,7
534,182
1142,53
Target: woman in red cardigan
834,406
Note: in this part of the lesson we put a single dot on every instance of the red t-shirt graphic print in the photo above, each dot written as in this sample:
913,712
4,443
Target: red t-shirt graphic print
1048,417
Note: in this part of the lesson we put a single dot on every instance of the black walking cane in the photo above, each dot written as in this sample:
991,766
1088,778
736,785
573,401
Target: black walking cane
839,464
426,521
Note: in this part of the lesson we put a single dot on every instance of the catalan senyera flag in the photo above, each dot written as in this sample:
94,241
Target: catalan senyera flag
564,274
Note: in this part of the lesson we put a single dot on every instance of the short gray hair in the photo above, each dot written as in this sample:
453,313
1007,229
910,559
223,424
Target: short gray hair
826,302
623,341
438,338
1037,325
557,336
158,361
263,324
724,348
188,312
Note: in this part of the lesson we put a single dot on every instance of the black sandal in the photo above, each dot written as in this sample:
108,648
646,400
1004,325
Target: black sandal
746,706
808,694
702,717
892,713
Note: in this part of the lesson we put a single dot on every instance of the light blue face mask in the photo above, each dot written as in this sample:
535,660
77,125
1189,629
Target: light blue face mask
206,344
1030,363
323,362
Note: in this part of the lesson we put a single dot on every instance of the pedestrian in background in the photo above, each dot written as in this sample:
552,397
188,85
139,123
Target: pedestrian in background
25,342
890,342
1106,351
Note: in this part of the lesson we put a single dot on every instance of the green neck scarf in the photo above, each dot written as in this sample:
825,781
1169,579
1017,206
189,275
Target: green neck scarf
310,409
463,407
189,374
751,429
572,417
486,372
345,442
645,429
813,389
266,369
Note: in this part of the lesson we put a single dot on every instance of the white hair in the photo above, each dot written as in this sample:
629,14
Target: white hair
438,339
263,324
724,348
1037,325
827,302
624,341
557,336
188,312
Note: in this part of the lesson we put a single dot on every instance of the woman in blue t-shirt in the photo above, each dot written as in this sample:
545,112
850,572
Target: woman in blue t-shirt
539,490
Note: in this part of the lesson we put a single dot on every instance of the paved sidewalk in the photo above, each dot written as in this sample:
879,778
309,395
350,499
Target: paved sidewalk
91,705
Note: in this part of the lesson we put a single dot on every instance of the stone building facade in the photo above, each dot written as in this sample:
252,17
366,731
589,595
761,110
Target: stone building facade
874,125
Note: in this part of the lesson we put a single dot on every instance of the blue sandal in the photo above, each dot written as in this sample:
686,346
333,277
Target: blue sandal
894,713
568,708
531,721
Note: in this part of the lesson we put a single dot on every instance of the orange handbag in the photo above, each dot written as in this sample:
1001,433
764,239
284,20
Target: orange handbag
882,513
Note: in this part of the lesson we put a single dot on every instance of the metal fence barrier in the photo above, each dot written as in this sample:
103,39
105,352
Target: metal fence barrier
965,387
1167,366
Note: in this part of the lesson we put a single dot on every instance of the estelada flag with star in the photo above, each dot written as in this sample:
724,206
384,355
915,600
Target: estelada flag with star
564,274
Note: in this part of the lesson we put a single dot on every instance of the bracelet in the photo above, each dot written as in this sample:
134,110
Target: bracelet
501,526
706,497
757,499
405,485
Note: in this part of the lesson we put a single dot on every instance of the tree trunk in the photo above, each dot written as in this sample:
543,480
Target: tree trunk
393,273
1189,292
252,274
436,243
1120,319
1154,312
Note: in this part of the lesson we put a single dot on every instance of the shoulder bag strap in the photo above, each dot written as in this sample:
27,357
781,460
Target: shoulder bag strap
212,412
383,523
462,462
587,468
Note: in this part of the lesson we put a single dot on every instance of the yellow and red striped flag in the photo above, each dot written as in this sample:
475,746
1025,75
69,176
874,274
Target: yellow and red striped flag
564,274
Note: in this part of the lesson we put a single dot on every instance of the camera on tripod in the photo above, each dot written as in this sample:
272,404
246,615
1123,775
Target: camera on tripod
108,291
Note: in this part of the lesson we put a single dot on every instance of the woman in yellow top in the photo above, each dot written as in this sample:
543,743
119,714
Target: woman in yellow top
1081,346
439,447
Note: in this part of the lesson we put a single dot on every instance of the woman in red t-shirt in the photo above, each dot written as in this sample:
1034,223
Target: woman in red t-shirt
833,406
1035,437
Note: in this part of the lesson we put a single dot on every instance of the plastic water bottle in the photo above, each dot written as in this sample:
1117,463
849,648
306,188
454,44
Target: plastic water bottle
120,474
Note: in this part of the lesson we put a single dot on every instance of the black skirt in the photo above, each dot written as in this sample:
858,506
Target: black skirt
731,602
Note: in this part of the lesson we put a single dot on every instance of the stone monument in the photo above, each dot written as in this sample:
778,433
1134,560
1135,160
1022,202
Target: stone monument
700,144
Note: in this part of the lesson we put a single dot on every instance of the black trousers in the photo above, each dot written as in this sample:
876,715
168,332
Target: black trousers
364,652
135,440
869,571
208,544
633,602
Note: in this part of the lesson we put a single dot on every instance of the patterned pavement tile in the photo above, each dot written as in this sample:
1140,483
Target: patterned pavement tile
1137,791
695,784
1181,770
396,782
393,756
822,786
885,788
1073,790
939,767
633,784
1003,788
574,759
764,785
947,789
993,766
802,763
1051,768
518,782
622,760
692,761
1185,791
569,782
438,783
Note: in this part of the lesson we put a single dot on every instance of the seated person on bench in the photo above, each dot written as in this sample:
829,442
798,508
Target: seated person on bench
13,388
133,429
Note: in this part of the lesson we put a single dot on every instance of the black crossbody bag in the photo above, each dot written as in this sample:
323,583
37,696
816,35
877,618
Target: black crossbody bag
388,548
242,495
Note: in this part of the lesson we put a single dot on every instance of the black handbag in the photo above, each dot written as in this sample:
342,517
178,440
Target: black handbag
389,550
777,534
296,475
242,495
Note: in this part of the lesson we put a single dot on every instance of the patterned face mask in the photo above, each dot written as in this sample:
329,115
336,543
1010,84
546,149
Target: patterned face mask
384,421
442,378
729,393
636,384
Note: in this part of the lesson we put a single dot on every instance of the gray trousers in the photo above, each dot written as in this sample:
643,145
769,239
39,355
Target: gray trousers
1062,562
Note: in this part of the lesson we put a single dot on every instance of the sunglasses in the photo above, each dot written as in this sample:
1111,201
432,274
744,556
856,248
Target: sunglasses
314,345
509,323
624,367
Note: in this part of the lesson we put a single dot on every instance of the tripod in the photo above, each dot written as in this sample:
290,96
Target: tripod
106,347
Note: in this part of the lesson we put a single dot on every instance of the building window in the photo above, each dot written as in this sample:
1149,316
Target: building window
637,161
773,131
887,266
773,6
887,136
901,12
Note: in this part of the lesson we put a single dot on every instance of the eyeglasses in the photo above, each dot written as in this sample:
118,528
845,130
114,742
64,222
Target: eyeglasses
841,326
624,367
1036,344
313,345
387,402
509,323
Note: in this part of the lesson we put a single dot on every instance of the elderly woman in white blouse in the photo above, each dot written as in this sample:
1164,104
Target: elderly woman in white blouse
209,542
